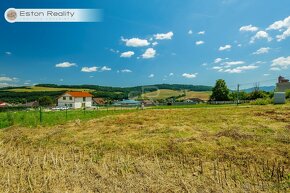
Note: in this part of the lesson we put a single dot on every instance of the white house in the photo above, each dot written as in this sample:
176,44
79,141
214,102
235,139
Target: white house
75,100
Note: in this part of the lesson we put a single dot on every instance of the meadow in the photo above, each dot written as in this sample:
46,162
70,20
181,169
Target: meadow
226,149
166,93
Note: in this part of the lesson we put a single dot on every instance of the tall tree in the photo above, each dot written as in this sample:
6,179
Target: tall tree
220,91
45,101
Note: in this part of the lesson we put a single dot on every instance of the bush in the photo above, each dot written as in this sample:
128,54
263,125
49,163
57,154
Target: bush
262,102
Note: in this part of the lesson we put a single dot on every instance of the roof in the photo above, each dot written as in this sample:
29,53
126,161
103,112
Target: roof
99,101
79,94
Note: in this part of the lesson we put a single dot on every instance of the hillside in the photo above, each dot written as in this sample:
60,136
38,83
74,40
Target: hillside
166,93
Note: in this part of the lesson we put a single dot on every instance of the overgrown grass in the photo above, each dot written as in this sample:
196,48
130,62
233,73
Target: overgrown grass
33,118
162,150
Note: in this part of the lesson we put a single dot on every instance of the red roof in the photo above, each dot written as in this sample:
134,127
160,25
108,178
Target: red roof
79,94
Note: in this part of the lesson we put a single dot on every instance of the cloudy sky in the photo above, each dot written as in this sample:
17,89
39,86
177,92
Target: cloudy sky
147,42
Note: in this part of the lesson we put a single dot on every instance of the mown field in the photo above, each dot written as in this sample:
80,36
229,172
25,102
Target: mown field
166,93
227,149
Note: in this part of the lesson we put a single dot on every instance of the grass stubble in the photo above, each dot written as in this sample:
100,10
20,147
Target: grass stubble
231,149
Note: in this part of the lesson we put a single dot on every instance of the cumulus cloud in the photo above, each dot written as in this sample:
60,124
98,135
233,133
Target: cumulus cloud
154,43
188,75
238,69
263,50
261,35
149,53
280,63
65,65
166,36
7,79
284,35
201,33
106,68
190,32
232,63
128,54
280,24
199,43
151,76
8,53
135,42
249,28
226,47
89,69
126,71
275,69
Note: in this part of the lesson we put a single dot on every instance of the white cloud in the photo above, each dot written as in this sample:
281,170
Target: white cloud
6,79
201,33
135,42
284,35
199,43
114,51
263,50
166,36
151,76
249,28
261,35
154,43
90,69
149,53
65,65
204,64
8,53
171,74
126,71
266,74
275,69
187,75
4,84
240,69
226,47
128,54
281,63
233,63
106,68
280,24
240,45
218,60
190,32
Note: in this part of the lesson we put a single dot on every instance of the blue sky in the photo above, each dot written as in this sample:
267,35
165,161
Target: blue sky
148,42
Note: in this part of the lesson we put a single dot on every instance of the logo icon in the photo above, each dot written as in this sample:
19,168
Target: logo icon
11,15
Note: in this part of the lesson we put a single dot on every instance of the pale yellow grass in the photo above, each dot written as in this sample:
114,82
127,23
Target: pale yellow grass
166,93
178,150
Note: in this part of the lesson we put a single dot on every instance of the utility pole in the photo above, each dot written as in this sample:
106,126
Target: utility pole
238,93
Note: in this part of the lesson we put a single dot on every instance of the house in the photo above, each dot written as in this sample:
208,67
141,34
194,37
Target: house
75,100
127,103
32,104
99,101
283,84
194,100
3,104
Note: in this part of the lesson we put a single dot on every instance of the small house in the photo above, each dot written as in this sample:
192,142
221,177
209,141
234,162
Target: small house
99,101
75,100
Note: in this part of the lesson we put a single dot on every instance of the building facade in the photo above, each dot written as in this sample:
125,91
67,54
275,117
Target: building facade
75,100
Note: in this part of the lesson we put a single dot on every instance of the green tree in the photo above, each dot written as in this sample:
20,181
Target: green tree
220,91
45,101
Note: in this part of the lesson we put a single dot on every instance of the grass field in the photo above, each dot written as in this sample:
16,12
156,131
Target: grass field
43,89
165,93
227,149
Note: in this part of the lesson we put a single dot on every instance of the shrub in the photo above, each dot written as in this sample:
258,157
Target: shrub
265,101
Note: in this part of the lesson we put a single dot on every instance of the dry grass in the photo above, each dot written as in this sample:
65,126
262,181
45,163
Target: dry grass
177,150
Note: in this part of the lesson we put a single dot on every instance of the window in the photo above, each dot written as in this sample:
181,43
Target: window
84,99
64,98
70,98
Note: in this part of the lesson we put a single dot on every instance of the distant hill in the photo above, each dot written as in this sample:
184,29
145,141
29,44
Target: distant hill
31,93
263,88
